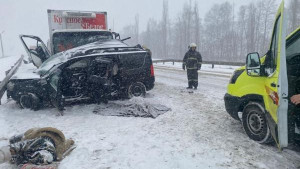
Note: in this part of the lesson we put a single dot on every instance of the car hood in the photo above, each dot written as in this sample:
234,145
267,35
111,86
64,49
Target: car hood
26,71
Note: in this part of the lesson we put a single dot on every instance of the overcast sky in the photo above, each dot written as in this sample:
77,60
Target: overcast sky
30,16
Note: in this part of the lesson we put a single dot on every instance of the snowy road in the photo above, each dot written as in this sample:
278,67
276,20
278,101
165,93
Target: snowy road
210,83
197,133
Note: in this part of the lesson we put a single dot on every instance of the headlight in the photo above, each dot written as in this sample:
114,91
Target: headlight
10,86
236,74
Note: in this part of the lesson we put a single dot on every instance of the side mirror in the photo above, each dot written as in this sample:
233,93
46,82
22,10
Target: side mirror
253,65
117,35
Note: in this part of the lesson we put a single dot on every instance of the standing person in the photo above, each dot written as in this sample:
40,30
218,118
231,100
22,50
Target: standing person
192,62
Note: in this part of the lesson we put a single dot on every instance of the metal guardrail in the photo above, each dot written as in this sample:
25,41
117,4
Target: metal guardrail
203,62
9,74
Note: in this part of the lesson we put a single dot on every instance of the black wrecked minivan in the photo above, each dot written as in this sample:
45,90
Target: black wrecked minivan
90,73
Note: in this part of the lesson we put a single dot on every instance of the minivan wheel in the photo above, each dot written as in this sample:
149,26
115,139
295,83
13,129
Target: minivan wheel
137,89
29,101
255,123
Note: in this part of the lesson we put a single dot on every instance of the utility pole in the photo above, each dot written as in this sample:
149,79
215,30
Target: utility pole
2,43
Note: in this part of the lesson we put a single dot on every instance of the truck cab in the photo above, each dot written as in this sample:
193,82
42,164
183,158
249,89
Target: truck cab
259,93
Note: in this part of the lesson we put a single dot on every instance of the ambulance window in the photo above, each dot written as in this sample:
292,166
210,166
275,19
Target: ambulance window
274,47
293,49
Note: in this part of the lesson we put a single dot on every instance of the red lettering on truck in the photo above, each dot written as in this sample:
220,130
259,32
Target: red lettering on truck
74,20
57,19
94,23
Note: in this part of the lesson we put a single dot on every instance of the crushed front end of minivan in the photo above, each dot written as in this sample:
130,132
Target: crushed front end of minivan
93,73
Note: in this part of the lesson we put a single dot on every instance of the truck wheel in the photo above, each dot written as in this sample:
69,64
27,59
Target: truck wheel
29,101
137,89
255,123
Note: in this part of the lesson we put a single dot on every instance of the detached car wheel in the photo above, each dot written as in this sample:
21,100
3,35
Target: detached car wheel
29,101
137,89
255,123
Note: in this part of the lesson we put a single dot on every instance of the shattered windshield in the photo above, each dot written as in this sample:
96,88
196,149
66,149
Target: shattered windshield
63,41
50,63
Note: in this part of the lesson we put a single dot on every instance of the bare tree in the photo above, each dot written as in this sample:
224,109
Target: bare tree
223,35
294,20
197,23
251,21
187,22
267,23
241,30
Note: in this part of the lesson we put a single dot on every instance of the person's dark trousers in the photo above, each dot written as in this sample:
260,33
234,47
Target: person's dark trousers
192,77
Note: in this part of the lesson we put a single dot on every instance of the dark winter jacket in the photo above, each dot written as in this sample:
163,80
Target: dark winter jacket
34,151
192,60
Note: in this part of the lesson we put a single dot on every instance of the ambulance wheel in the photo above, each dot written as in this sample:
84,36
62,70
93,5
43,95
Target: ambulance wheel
136,89
29,101
255,123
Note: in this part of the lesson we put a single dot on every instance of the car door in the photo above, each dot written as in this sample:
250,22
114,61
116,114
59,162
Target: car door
75,77
35,48
100,70
99,78
276,83
55,89
132,67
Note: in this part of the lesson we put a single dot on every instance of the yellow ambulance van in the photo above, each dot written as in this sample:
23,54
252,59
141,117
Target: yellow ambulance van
258,94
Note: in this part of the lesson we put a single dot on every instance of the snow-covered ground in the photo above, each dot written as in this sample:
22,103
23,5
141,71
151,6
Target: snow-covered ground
196,133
